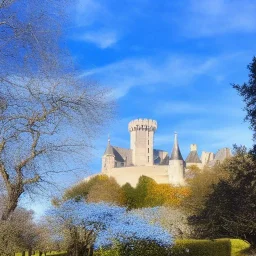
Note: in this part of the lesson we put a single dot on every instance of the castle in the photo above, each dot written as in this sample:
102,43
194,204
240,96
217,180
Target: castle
127,165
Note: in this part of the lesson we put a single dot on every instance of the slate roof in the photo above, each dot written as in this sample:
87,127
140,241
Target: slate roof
220,156
165,161
176,155
193,157
109,150
123,155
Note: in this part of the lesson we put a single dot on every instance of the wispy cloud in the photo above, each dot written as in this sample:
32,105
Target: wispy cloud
209,18
179,107
147,72
205,107
207,139
89,11
102,39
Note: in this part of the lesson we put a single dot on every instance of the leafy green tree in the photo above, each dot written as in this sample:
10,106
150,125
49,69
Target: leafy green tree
142,191
129,196
230,209
100,188
248,92
148,193
201,186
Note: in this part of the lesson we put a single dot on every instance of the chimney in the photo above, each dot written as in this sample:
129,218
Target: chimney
193,147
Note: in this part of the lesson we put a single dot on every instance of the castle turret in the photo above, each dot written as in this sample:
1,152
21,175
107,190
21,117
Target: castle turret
108,159
142,141
207,157
193,158
176,166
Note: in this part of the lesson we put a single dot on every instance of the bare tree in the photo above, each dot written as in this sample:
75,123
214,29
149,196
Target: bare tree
30,34
19,233
40,124
47,114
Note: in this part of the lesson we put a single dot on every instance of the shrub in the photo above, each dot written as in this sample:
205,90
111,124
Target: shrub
238,246
139,248
192,247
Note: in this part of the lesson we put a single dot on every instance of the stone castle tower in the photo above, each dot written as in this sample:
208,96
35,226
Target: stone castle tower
142,141
108,159
129,164
176,168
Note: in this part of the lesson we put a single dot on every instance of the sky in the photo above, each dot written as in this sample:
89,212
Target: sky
171,61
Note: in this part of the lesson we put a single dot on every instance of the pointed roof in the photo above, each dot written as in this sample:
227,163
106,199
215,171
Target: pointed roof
109,149
176,155
193,157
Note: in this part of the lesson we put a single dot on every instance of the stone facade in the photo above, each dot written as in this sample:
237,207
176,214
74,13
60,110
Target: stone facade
127,165
142,141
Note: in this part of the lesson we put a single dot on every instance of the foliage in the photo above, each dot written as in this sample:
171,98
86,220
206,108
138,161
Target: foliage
100,188
148,193
166,194
230,209
192,247
201,185
129,196
103,225
143,189
174,220
18,233
248,93
238,246
48,239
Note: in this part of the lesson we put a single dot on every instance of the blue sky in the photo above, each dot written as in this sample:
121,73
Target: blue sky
172,61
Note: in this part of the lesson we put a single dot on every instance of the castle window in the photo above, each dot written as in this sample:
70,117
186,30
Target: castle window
122,164
148,142
148,150
148,159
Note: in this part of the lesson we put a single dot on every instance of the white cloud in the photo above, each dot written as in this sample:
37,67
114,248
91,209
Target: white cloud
89,11
103,39
95,21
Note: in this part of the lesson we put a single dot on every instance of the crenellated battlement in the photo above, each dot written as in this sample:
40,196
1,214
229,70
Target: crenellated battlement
142,124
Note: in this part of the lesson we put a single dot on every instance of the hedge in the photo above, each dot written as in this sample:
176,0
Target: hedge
186,247
193,247
238,246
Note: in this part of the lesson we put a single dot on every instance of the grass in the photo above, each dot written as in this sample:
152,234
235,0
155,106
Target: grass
238,247
55,253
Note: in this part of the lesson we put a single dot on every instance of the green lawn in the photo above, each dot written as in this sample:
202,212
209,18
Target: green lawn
218,247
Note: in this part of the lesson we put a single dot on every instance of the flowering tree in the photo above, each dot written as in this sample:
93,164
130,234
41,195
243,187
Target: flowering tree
170,218
97,225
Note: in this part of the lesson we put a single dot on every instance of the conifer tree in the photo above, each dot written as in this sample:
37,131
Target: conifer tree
248,92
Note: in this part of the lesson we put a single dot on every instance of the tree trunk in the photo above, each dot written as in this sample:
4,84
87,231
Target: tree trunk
12,201
90,252
29,252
